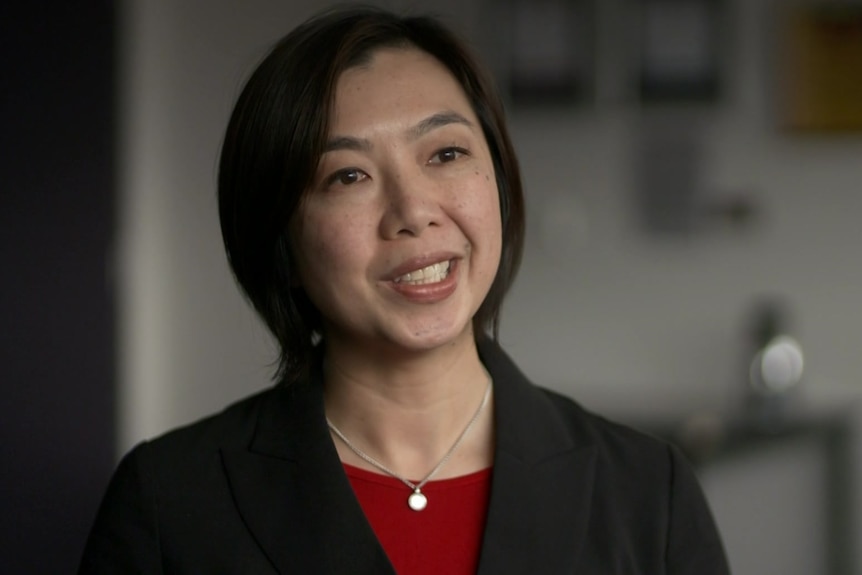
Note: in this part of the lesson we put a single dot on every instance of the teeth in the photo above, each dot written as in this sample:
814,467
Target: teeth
427,275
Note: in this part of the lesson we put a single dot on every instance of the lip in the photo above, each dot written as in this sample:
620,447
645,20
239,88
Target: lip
426,293
420,262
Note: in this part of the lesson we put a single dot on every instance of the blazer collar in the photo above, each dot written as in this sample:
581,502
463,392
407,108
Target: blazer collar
293,494
542,481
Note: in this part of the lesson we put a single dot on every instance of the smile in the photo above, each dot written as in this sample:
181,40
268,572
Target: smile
427,275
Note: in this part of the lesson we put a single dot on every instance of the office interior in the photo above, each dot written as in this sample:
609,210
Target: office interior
692,176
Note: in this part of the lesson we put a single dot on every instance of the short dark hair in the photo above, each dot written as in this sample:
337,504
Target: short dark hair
275,139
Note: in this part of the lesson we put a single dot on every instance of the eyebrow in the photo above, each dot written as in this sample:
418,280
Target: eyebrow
346,143
427,125
437,121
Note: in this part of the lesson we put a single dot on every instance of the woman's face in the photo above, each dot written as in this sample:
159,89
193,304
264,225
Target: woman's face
399,240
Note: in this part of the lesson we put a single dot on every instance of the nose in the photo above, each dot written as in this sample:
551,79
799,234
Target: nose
412,205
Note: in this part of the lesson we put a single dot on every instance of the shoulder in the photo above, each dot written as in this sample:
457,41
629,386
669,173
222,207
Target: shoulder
630,466
644,486
627,463
192,448
616,442
233,425
163,483
535,422
170,499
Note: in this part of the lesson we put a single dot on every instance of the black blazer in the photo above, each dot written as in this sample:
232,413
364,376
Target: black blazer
259,489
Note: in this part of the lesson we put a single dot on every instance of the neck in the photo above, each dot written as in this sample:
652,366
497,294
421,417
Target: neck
408,411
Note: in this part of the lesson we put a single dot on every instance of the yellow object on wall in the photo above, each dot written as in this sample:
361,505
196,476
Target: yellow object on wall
821,68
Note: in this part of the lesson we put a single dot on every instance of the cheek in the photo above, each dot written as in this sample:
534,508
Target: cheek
482,195
330,244
487,200
494,225
480,208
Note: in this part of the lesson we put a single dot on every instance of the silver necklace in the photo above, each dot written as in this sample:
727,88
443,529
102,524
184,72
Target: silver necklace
417,500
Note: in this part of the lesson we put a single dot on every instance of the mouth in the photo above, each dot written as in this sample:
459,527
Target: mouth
434,273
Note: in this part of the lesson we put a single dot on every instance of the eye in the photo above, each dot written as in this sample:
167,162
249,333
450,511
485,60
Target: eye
346,177
447,155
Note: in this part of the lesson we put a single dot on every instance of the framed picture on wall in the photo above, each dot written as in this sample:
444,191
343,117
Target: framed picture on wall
680,47
820,67
548,48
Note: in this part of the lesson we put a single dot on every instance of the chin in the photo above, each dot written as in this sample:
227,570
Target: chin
428,338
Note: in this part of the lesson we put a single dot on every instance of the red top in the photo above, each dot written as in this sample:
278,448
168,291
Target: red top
445,537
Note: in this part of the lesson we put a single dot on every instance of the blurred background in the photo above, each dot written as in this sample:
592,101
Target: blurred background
692,171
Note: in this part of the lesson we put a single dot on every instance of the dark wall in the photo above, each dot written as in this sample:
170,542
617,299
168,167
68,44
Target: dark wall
56,303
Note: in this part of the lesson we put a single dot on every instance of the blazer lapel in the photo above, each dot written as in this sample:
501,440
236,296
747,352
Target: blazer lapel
297,502
542,481
293,494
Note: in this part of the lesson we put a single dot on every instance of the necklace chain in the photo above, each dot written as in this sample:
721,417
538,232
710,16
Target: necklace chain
416,487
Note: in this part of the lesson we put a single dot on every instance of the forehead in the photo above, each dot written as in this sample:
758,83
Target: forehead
396,83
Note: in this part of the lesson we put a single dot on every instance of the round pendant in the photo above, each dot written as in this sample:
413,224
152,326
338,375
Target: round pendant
417,501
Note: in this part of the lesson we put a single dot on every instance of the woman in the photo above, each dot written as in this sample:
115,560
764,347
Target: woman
371,209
